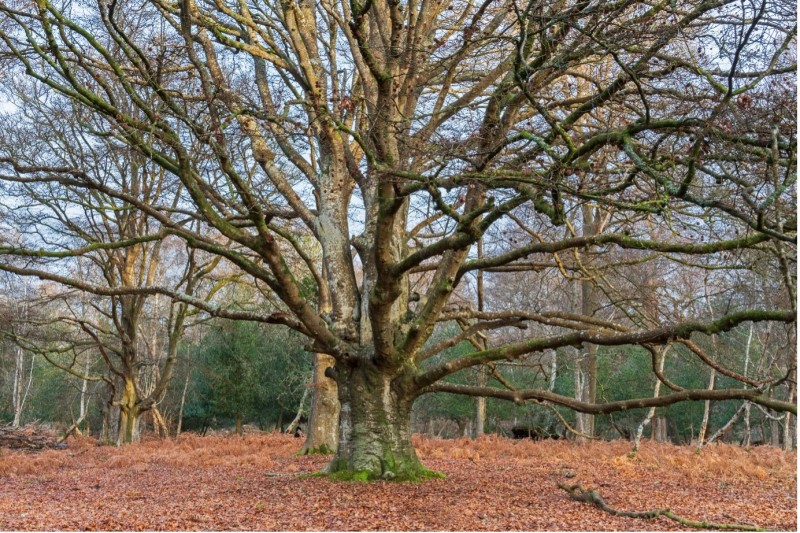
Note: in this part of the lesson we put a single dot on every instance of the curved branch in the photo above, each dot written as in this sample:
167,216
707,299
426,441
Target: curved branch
654,336
519,396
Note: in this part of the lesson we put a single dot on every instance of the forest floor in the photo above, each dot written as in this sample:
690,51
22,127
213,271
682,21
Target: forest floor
254,483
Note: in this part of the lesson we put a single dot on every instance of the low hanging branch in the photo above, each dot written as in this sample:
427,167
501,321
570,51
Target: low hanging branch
578,493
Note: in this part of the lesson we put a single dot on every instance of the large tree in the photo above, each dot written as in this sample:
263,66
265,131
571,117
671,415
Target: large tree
397,134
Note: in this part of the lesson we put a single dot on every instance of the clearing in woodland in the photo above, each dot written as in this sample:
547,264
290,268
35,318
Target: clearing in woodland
257,482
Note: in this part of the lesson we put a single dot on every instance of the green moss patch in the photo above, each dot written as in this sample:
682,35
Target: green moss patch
319,450
363,476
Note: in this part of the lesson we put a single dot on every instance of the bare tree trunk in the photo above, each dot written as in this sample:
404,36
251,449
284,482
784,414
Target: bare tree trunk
20,393
701,435
747,430
300,410
788,434
159,424
590,227
323,424
579,369
729,424
660,429
745,408
83,402
180,409
775,432
656,390
480,401
551,384
582,420
480,408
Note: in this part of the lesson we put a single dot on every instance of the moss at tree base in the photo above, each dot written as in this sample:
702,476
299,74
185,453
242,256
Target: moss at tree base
319,450
364,476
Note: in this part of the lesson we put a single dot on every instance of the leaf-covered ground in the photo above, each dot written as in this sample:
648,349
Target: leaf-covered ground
252,483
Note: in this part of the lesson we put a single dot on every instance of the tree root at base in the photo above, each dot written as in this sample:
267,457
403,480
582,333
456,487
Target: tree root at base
577,492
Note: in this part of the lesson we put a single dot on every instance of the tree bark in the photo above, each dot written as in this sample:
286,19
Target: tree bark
588,307
480,401
183,402
20,393
129,414
651,413
788,433
375,427
323,422
480,408
701,436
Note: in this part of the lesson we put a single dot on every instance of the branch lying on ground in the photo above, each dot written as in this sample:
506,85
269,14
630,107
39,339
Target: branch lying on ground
580,494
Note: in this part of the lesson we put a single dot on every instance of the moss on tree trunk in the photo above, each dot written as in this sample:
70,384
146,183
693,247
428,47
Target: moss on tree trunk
374,428
129,414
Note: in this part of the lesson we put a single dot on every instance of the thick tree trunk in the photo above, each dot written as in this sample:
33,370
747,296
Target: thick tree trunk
129,414
374,428
324,419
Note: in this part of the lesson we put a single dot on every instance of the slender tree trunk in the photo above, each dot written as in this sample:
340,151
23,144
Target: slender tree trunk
588,307
788,434
551,384
480,401
660,429
159,424
300,410
480,408
746,440
729,424
16,393
745,408
180,409
652,411
323,423
701,435
20,392
83,401
747,430
775,432
579,379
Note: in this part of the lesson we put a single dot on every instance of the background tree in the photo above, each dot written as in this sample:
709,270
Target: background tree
248,373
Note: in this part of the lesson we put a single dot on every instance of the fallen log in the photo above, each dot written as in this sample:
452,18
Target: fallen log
578,493
28,437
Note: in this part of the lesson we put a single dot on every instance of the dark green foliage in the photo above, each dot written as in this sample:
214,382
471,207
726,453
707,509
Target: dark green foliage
245,370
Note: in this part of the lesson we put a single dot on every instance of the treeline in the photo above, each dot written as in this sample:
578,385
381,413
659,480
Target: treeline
237,373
